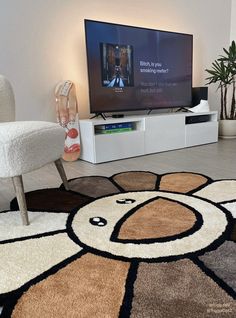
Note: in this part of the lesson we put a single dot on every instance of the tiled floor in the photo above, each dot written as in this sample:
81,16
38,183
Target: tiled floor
216,160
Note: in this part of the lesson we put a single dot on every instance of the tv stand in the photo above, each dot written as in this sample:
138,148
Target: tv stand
99,114
149,134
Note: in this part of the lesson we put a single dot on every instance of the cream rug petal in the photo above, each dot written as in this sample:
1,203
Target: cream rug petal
22,261
40,222
231,207
219,191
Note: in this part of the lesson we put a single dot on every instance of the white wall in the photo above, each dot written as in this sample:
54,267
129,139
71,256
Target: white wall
233,21
42,42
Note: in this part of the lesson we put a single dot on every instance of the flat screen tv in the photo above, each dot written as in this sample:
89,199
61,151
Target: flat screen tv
133,68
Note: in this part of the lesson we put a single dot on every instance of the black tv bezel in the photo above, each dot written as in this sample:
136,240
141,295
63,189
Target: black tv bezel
128,109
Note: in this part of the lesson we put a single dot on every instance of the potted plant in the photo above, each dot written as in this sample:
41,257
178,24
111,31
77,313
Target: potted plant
223,72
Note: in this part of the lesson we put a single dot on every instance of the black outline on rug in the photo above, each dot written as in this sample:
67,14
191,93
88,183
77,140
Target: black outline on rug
125,308
35,236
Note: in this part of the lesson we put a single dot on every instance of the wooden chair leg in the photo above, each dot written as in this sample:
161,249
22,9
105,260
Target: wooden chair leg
20,195
62,173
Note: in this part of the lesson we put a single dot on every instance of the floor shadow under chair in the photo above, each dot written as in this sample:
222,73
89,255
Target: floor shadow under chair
26,146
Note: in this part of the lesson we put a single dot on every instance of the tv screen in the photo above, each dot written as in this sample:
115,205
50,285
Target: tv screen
133,68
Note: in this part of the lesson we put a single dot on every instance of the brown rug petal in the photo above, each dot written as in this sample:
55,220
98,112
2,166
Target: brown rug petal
131,181
223,262
177,289
51,200
91,286
159,218
93,186
181,182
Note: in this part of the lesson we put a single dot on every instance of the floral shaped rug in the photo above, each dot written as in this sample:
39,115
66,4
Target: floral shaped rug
136,244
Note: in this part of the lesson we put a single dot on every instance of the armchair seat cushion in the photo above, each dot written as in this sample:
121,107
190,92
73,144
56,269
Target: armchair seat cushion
28,145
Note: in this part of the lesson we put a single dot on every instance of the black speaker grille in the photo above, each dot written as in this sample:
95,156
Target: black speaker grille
199,93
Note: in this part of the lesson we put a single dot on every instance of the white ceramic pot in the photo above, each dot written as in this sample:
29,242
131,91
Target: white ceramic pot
227,128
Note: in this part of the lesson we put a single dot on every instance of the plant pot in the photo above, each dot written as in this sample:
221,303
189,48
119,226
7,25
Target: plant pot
227,128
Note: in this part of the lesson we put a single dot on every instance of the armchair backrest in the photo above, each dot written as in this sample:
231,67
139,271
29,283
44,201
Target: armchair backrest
7,100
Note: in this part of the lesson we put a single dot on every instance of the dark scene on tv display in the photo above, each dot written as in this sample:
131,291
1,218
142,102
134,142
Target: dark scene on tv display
117,65
132,68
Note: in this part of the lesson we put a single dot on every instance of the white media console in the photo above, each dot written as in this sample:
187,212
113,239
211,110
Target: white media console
150,134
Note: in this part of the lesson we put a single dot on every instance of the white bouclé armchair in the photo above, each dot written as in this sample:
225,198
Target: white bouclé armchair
26,145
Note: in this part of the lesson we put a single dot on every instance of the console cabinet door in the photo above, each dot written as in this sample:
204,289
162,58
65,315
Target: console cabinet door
201,133
119,146
164,133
